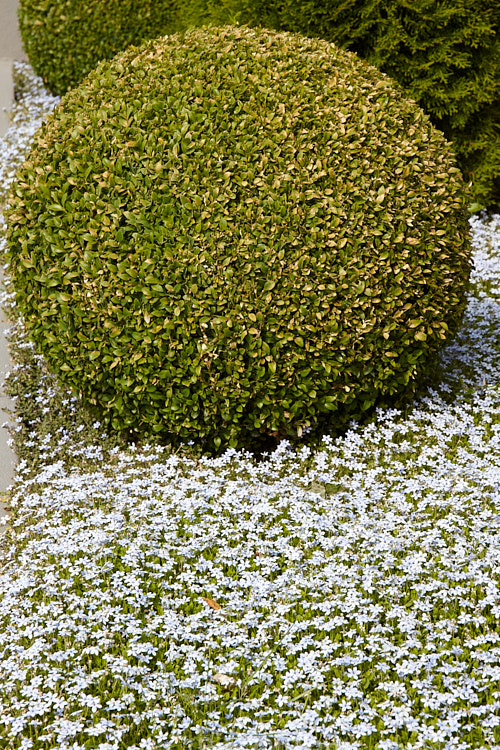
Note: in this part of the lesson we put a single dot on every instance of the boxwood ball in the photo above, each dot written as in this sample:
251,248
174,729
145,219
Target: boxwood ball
228,234
65,39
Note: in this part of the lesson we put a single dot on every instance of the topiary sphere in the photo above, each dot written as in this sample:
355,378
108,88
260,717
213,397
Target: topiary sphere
65,39
230,233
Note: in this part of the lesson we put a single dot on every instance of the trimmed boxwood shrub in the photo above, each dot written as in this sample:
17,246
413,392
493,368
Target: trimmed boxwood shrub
231,234
445,54
65,39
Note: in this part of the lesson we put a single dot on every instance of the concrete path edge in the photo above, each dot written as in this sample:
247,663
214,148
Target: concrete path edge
10,50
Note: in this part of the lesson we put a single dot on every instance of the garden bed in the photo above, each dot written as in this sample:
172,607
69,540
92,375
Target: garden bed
339,596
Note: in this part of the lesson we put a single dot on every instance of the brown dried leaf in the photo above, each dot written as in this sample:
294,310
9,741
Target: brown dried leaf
211,603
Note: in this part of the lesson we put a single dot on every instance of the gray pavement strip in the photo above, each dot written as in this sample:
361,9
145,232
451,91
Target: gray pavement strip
6,93
10,49
10,40
7,456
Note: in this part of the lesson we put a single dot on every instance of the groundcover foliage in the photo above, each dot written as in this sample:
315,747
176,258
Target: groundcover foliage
228,234
342,598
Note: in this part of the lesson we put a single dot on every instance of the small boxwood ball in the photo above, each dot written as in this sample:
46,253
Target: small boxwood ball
228,233
65,39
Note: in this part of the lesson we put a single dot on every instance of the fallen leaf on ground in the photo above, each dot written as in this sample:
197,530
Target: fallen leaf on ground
211,603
